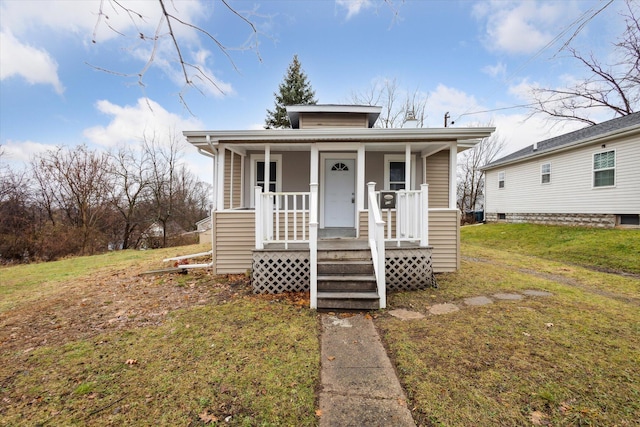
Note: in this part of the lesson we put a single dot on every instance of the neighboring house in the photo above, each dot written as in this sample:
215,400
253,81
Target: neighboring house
320,226
203,228
590,177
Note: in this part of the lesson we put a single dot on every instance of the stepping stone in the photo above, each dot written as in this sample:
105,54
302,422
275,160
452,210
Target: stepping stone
534,293
481,300
509,297
403,314
443,308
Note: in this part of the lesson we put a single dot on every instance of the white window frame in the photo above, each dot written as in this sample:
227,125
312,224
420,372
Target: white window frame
502,180
543,173
593,166
255,158
388,158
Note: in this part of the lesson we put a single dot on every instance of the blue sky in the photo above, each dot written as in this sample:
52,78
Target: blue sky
465,56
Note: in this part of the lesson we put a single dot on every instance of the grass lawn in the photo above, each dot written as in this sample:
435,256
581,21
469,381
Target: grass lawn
572,358
90,341
224,356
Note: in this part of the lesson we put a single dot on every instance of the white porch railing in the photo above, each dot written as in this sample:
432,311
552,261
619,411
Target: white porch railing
412,217
376,243
290,218
282,217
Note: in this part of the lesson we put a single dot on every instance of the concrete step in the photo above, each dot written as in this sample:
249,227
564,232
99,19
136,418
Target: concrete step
349,300
344,267
347,283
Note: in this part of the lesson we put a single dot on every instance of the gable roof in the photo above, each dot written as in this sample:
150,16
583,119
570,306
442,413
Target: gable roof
579,137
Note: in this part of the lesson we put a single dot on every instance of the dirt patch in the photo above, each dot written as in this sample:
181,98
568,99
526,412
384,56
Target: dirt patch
111,301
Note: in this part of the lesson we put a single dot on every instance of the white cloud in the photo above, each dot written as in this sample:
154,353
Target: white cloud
21,152
34,65
354,6
498,70
129,124
456,102
520,27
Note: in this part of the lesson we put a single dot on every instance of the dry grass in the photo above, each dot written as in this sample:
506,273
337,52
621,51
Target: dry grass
569,359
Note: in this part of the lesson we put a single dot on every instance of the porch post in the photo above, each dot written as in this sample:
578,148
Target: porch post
259,220
313,242
453,164
220,180
360,187
424,215
267,168
407,167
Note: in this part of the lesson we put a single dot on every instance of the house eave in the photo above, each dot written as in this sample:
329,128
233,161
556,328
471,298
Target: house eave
597,139
463,137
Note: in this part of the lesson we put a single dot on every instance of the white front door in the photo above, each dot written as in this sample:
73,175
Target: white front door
339,193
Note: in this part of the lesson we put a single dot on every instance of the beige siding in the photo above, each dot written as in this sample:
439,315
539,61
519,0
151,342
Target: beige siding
232,162
234,241
319,120
571,188
437,176
444,236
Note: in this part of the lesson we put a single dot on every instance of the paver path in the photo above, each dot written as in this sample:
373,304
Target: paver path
359,384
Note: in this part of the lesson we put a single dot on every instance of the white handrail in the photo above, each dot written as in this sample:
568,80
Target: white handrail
281,217
412,217
376,243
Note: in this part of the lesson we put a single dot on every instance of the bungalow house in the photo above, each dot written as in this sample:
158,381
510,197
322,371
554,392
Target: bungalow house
590,177
334,205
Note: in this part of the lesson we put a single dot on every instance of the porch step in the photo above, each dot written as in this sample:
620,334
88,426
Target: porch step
350,283
348,300
344,254
342,267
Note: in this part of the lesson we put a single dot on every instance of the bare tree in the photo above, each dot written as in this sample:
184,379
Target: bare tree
75,182
131,174
611,86
397,104
471,177
193,74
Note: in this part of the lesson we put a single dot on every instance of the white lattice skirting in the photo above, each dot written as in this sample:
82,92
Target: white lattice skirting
275,272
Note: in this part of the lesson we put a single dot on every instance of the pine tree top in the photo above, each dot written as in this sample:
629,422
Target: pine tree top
295,89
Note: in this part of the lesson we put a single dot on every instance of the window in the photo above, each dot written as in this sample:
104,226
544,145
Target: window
502,216
273,175
339,167
604,169
545,173
500,179
629,219
394,172
257,174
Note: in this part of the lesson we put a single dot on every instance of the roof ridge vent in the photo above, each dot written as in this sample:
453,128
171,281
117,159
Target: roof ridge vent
535,146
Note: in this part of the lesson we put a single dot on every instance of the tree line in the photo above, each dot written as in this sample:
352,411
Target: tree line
80,201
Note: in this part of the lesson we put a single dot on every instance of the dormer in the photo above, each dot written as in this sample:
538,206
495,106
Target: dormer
332,116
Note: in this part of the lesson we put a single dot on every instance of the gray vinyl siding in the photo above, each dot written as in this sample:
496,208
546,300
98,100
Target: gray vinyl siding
437,176
234,241
571,188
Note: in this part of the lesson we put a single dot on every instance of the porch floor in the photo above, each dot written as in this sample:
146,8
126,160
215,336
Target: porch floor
336,244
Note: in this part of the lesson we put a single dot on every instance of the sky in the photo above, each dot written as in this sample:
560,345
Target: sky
70,70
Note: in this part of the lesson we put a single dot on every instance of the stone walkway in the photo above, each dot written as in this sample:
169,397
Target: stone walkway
450,307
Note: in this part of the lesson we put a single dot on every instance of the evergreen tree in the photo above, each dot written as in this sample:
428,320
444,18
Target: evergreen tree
295,89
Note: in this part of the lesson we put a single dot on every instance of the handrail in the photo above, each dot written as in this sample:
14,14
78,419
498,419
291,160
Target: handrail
376,243
281,217
411,217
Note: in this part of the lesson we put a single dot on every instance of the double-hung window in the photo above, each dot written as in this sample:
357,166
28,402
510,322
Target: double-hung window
395,172
501,179
545,173
604,169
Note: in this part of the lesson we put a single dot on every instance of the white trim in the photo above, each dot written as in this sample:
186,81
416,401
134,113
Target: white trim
614,168
254,158
323,157
388,158
453,176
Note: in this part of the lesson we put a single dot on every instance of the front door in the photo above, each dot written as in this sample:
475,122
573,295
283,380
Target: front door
339,193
